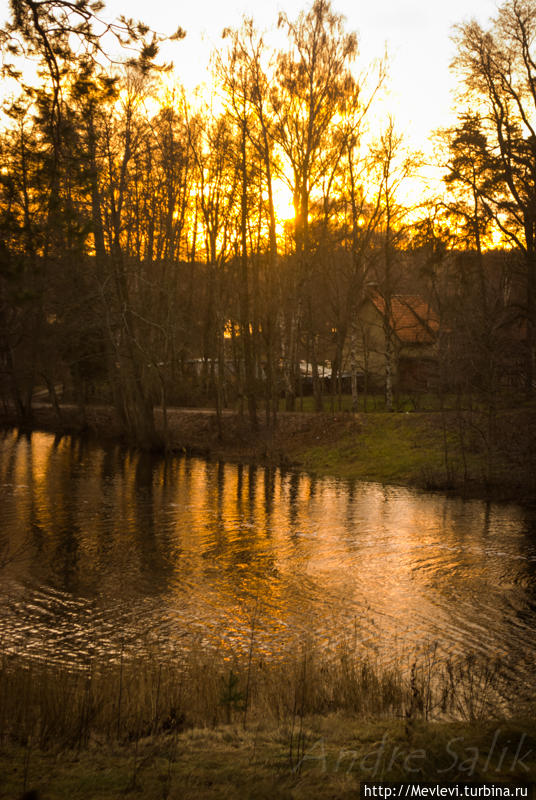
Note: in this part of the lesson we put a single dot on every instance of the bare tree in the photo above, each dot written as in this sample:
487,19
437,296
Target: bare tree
394,166
313,84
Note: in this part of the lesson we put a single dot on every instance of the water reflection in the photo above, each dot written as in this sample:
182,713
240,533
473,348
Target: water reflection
108,548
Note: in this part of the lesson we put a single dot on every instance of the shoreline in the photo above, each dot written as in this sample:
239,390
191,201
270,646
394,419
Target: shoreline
419,450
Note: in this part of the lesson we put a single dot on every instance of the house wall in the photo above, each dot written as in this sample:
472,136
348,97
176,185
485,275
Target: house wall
367,343
415,364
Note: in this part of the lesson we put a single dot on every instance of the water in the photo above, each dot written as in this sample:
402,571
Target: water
102,550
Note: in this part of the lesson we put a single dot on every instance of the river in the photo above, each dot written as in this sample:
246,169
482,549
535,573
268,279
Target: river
105,550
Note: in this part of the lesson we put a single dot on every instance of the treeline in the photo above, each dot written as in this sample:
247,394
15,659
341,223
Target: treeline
144,254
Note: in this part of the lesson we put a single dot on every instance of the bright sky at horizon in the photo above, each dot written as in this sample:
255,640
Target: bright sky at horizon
416,34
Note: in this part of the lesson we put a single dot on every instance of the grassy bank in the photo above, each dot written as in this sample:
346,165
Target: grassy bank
228,763
463,452
203,726
428,450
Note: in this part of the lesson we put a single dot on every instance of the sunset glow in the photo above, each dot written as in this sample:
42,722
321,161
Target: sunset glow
284,206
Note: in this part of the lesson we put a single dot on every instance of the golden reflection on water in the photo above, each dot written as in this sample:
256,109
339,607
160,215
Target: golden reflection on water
118,545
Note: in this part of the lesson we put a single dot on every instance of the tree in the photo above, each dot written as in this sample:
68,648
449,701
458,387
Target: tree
473,176
498,70
355,216
68,39
313,86
240,84
217,181
59,33
394,166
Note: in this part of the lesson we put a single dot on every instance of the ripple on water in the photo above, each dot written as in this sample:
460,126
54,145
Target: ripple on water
108,555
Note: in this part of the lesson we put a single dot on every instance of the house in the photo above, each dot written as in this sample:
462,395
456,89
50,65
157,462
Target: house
414,326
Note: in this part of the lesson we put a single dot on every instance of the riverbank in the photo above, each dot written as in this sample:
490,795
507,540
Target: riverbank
428,450
202,725
227,762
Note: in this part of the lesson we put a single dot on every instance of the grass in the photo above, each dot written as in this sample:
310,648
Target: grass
51,705
430,451
389,448
228,762
209,725
466,448
456,450
403,402
373,403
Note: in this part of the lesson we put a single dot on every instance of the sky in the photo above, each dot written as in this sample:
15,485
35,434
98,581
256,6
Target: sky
416,34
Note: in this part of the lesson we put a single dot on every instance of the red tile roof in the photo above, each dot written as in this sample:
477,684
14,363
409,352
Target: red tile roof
412,318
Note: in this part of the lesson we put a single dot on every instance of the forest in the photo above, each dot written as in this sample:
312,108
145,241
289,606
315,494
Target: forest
241,246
